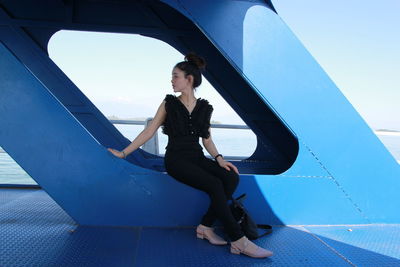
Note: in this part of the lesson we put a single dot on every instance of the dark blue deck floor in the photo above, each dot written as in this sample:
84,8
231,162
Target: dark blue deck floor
35,231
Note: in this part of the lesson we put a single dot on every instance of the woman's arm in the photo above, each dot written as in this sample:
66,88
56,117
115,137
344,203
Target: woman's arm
145,135
212,150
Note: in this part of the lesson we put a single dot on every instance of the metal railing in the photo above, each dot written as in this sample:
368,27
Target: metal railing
213,125
151,146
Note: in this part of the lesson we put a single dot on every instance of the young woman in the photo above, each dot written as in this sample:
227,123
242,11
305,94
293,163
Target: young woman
184,119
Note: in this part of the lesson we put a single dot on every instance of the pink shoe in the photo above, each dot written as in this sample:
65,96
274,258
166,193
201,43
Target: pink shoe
245,246
208,233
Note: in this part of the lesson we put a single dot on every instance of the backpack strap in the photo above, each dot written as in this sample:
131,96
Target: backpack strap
266,227
241,197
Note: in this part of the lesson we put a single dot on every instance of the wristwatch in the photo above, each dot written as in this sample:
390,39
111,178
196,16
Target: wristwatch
219,155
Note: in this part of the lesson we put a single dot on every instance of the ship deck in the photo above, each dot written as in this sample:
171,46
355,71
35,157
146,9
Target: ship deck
35,231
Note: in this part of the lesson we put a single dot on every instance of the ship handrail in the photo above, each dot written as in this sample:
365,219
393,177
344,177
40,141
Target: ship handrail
213,125
151,146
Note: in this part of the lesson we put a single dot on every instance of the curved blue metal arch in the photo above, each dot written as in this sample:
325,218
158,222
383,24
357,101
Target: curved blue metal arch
277,147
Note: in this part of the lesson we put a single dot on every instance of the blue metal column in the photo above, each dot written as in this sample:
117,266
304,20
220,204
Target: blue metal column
90,184
338,147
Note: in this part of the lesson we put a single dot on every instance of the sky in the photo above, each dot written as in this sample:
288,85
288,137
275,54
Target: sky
356,42
125,75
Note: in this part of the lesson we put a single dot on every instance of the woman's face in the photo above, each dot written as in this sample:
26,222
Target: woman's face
179,81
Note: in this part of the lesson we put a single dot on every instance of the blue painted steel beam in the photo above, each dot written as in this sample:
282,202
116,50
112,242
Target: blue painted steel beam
285,74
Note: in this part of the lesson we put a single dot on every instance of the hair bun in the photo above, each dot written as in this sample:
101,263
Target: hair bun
196,60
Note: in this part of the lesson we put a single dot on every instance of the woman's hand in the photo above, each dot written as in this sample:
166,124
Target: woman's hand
116,153
227,165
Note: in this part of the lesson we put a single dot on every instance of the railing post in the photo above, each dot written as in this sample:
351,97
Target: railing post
151,146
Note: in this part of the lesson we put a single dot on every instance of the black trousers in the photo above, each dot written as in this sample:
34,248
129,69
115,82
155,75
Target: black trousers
194,169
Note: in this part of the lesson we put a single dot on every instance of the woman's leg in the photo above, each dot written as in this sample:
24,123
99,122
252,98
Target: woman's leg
230,181
190,173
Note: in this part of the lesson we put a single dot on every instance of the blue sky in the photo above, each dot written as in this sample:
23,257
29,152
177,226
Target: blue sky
358,45
356,42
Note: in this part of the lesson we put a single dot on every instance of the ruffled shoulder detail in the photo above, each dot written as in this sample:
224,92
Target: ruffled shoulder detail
204,118
173,123
169,97
171,102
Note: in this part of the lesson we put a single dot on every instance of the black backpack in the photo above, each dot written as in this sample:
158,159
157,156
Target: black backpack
249,227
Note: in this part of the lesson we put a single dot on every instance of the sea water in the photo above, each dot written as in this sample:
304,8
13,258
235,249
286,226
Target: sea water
229,142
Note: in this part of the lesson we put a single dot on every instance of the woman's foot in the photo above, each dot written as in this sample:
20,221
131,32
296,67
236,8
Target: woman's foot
245,246
208,233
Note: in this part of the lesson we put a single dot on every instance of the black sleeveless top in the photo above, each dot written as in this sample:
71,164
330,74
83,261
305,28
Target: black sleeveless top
184,128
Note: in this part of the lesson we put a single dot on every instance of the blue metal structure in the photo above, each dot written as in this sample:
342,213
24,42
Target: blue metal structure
316,162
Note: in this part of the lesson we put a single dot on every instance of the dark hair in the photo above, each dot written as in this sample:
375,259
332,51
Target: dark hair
192,65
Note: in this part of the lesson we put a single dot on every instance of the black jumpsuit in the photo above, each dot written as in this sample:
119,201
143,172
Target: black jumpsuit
185,161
